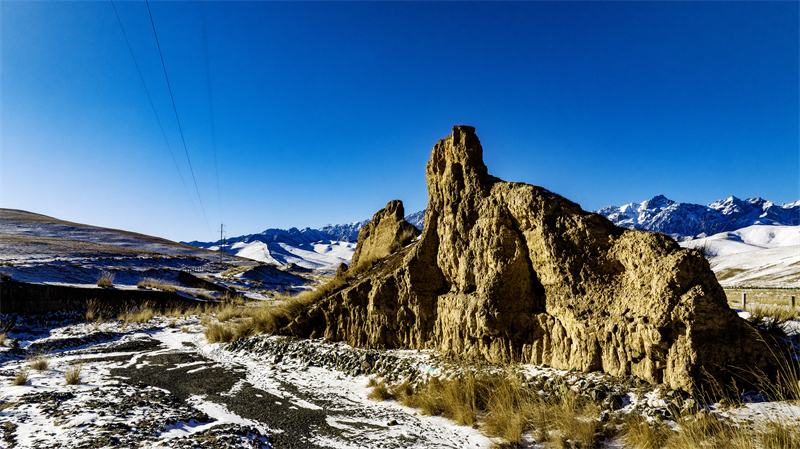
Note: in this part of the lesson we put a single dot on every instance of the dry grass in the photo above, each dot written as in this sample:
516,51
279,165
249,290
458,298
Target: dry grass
226,333
772,318
265,316
765,296
638,433
380,392
709,430
39,364
779,430
140,314
106,279
232,298
93,311
501,407
268,317
72,376
21,378
228,312
3,339
406,236
157,284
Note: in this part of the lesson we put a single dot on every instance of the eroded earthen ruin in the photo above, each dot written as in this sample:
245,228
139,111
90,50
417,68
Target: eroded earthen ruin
509,272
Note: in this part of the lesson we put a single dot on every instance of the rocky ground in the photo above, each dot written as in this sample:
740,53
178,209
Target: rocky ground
160,384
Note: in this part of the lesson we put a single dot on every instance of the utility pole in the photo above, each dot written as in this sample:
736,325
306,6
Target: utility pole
221,242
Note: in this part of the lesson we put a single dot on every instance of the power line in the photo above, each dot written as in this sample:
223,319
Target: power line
153,106
211,106
175,109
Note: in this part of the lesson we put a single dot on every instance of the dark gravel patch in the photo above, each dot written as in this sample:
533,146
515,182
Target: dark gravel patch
296,424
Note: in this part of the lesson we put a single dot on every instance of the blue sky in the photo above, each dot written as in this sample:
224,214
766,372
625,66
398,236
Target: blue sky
325,111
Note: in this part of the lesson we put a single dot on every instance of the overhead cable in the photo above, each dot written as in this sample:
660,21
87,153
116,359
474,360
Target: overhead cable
175,109
153,107
211,107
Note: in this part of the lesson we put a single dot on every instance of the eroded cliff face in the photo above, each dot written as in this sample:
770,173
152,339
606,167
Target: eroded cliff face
512,272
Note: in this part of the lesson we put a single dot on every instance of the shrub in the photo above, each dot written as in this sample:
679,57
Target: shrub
106,279
226,333
93,310
142,314
72,376
39,364
21,378
157,284
380,392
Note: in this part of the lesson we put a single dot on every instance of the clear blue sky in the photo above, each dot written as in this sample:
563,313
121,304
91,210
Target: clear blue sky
325,111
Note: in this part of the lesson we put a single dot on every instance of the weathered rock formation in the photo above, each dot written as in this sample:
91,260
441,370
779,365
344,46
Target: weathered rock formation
512,272
386,233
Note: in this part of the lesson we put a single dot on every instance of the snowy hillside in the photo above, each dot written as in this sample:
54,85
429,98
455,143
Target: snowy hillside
751,238
682,220
758,255
774,267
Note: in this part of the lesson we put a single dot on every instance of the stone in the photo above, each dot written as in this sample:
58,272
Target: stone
341,271
386,233
510,272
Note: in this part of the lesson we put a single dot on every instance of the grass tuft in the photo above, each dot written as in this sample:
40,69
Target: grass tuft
502,407
142,314
21,378
226,333
380,392
72,376
157,284
39,364
93,311
106,279
269,317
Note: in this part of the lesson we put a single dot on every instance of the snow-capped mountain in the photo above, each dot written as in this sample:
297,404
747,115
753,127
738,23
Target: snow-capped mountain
417,219
686,220
325,247
344,232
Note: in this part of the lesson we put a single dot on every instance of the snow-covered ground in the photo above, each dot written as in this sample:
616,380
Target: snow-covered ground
161,384
758,255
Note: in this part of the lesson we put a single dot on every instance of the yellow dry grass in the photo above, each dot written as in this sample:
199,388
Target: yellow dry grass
140,314
501,407
106,279
21,378
72,376
39,364
157,284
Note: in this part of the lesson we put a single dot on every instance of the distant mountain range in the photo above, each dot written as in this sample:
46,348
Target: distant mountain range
332,244
325,247
686,220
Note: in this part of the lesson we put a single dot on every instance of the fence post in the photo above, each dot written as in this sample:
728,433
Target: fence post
744,301
793,301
